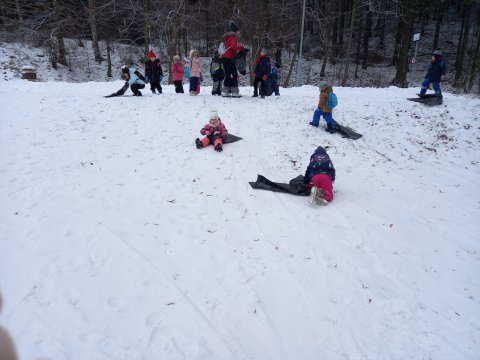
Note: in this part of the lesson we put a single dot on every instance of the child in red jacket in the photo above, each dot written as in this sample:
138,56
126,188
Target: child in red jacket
215,133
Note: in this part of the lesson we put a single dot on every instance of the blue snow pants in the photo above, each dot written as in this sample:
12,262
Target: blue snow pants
435,84
327,116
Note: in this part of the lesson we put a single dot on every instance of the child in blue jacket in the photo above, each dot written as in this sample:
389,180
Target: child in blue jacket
134,79
435,74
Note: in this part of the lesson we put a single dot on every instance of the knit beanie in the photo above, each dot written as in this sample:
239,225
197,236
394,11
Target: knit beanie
213,117
151,54
323,85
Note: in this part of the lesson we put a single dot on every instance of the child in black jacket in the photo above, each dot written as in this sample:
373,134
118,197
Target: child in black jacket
154,72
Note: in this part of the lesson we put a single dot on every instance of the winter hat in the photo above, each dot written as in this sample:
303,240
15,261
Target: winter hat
233,27
151,54
323,85
176,57
213,113
437,52
124,68
213,117
265,51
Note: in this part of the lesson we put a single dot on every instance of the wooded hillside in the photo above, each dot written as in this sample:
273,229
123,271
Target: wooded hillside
351,35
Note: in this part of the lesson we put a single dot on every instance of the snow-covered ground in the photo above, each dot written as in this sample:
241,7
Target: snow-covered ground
120,240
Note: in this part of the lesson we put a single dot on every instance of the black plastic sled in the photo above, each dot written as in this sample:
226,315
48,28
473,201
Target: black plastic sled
119,92
428,99
346,132
231,138
241,61
294,187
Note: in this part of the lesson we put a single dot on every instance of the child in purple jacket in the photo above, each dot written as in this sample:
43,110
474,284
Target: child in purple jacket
215,133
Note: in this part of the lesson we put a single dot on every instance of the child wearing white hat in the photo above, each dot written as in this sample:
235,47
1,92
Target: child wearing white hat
214,131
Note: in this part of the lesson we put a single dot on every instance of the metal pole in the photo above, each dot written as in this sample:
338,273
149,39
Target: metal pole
299,64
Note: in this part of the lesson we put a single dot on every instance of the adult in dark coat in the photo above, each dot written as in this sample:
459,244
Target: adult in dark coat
230,84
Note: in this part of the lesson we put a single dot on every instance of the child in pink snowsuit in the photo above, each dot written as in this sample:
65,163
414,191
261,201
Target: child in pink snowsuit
215,133
320,175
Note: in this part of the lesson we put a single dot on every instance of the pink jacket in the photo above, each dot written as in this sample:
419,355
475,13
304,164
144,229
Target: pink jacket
195,69
223,130
177,72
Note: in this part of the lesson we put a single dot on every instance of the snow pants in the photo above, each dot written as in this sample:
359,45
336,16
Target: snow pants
178,86
155,85
231,74
262,86
135,89
436,86
194,82
217,88
207,140
327,116
324,182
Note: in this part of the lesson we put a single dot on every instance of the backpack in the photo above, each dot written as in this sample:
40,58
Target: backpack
332,100
221,49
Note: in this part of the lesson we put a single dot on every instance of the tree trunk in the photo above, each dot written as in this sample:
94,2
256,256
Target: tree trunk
53,52
438,25
57,28
463,47
146,5
349,44
93,27
398,39
174,41
109,56
290,70
475,64
334,41
358,27
460,40
381,35
328,46
366,37
402,64
19,12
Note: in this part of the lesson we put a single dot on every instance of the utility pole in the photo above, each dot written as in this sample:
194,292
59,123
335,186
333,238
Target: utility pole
298,78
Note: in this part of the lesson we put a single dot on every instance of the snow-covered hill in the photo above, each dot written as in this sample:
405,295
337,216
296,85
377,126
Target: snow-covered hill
120,240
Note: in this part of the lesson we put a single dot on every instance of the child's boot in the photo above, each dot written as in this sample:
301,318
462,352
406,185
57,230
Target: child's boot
330,129
218,147
198,143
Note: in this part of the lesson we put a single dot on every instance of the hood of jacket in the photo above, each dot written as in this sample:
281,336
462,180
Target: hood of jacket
229,33
320,151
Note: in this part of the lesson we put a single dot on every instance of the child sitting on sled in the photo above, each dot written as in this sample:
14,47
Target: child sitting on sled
319,176
215,133
323,109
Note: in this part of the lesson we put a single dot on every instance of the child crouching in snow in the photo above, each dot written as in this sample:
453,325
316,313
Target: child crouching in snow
319,176
215,133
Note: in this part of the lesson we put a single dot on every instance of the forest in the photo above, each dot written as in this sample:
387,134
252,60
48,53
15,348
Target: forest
349,35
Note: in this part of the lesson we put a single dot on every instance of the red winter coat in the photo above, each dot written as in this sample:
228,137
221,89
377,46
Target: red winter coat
223,130
177,72
231,46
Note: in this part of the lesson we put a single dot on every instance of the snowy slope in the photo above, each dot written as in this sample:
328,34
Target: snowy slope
120,240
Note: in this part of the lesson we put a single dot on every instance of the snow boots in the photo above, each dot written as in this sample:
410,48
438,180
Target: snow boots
219,147
198,143
316,196
330,129
232,91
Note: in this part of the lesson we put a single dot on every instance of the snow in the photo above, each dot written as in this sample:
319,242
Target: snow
120,240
